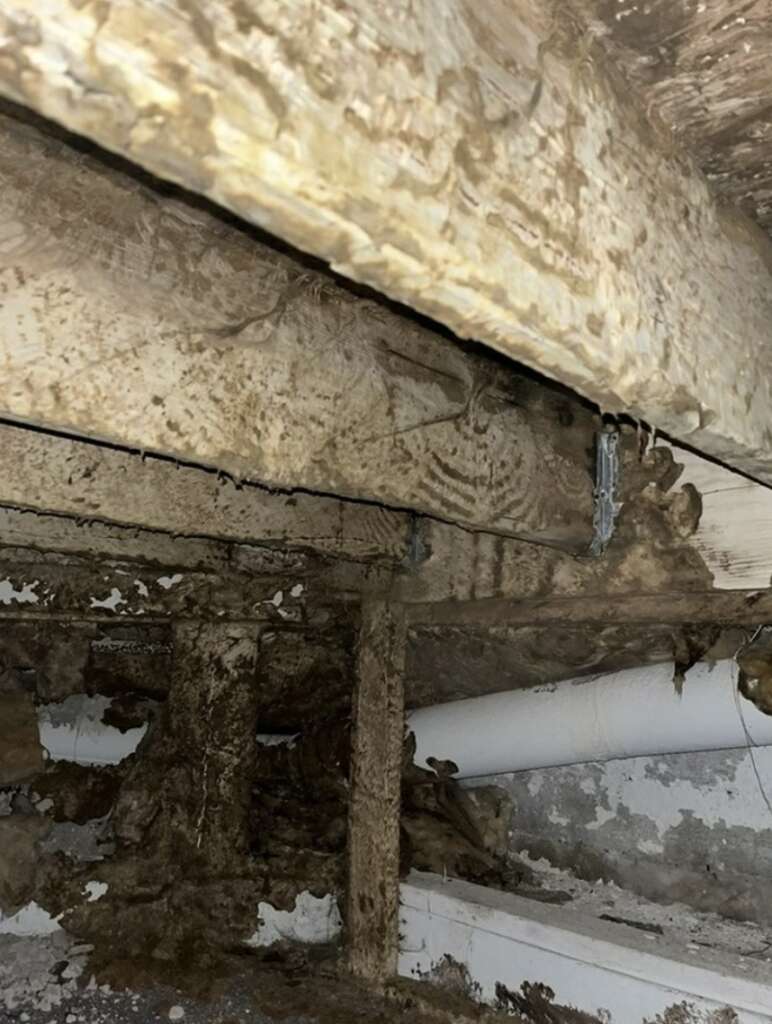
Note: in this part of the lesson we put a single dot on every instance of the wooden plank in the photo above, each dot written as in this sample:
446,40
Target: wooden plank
483,165
132,317
45,586
687,525
740,607
374,807
734,534
22,528
93,482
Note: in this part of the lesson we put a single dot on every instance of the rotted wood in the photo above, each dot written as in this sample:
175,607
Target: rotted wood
374,808
144,319
387,140
181,817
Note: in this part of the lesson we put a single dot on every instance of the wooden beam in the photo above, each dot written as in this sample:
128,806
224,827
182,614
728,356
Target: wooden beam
21,528
734,533
43,586
687,525
93,482
143,320
447,663
484,166
375,804
725,608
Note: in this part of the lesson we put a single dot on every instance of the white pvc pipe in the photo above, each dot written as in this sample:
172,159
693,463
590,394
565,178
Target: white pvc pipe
634,713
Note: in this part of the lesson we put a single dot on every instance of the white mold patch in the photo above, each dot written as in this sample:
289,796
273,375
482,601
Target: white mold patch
167,582
141,588
297,590
112,602
10,595
32,919
73,730
313,921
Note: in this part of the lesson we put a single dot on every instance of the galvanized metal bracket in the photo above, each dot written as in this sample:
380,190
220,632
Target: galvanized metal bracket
606,505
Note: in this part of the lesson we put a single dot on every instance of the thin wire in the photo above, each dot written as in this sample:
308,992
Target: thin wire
748,740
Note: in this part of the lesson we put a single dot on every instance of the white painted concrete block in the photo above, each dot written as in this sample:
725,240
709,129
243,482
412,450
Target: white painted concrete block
607,970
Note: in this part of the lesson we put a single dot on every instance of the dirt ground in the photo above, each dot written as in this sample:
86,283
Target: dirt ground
56,980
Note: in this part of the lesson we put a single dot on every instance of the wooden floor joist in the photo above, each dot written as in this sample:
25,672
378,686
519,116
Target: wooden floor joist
481,164
375,804
50,474
288,591
132,317
726,608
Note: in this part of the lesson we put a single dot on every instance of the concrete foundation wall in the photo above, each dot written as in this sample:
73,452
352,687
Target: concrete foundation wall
694,828
547,963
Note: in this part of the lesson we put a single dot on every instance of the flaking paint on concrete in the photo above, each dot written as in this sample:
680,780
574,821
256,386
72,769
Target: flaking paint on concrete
683,826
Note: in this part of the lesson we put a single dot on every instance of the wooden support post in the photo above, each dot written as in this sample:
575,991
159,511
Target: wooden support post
374,809
181,817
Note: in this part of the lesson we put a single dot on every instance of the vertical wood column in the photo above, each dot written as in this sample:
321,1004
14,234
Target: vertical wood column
374,808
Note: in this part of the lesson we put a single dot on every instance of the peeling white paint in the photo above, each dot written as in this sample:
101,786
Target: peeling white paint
677,810
73,730
651,848
94,891
534,783
32,919
313,921
167,582
602,815
558,819
10,595
141,588
112,602
297,590
277,600
635,785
